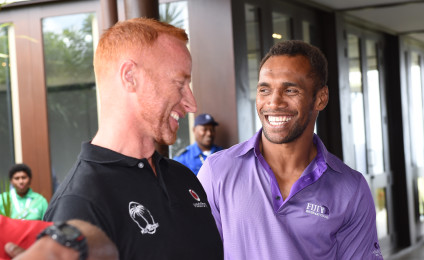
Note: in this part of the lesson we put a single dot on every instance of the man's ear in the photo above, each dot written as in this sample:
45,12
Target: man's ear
127,74
321,100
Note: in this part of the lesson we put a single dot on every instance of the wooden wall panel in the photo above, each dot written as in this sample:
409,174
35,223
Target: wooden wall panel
32,99
211,45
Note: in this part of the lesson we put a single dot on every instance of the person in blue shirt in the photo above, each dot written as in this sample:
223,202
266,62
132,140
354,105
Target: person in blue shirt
194,155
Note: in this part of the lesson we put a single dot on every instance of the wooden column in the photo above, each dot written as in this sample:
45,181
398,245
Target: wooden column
109,13
141,8
32,100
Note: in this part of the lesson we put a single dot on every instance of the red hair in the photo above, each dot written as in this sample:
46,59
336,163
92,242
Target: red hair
129,36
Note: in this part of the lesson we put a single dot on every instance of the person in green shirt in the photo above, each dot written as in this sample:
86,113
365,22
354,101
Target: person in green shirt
25,203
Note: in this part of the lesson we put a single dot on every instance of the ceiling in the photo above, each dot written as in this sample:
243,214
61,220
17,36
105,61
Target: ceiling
400,17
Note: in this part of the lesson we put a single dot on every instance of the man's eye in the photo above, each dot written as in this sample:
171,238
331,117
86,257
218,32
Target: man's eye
292,91
263,90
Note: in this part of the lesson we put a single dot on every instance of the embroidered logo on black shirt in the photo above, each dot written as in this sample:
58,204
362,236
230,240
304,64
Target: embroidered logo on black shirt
141,215
198,204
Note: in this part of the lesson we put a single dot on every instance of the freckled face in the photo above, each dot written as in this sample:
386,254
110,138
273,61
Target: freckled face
165,95
285,98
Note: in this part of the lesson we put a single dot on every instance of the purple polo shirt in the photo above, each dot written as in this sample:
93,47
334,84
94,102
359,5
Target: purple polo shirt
329,213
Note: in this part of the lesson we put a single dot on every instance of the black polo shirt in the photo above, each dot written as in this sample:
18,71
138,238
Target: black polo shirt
148,217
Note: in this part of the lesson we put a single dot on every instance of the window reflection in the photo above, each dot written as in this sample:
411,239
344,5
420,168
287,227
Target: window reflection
306,31
420,186
71,91
6,125
416,112
176,13
375,143
357,102
381,212
281,25
253,56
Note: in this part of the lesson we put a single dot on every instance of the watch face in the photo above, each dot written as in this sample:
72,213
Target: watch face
70,232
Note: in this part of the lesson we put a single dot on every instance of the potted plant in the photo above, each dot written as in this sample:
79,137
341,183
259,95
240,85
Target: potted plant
5,202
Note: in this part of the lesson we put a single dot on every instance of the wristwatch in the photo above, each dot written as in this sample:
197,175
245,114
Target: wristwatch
67,235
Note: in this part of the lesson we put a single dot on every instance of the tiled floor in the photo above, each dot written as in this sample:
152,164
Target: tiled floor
413,253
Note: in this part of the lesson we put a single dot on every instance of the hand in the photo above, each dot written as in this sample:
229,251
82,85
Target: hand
13,250
44,248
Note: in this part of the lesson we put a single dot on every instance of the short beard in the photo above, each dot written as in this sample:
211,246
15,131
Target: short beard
295,132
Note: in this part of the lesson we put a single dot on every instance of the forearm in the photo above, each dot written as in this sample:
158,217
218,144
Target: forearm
47,248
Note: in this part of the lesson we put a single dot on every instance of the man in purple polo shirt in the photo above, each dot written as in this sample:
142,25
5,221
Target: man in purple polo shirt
281,194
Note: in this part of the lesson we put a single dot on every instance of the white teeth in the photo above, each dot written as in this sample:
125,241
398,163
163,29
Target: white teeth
175,116
278,120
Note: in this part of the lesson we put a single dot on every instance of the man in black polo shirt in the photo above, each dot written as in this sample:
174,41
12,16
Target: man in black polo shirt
151,207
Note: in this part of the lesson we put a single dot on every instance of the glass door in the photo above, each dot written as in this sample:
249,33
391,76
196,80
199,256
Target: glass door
415,94
46,56
6,120
368,123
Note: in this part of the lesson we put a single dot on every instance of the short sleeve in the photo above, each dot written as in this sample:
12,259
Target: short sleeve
357,239
205,177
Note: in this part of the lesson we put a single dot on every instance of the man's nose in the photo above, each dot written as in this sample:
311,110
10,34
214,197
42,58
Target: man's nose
188,101
278,99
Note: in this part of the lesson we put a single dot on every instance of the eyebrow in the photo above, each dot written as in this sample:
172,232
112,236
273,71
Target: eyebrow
285,84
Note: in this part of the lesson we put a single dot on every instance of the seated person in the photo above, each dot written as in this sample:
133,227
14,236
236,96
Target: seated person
25,203
194,155
86,240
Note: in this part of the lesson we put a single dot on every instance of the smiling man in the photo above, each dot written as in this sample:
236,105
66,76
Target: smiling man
25,203
151,207
194,155
281,194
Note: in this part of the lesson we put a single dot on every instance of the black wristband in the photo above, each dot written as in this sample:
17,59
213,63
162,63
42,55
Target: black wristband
67,235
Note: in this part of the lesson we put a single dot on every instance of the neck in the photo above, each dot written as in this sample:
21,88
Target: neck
290,157
204,148
126,140
22,194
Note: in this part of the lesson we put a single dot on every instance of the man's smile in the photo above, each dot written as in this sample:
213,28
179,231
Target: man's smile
278,120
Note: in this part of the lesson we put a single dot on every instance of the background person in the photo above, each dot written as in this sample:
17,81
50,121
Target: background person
150,206
25,203
281,194
194,155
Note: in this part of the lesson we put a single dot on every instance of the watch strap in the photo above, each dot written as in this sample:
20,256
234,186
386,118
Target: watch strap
75,240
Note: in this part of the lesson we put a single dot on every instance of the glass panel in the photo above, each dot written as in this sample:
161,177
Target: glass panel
71,90
176,13
306,31
375,143
281,25
253,57
420,186
6,125
416,112
381,211
357,102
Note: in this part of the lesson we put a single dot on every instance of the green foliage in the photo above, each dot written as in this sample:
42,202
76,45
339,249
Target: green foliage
4,54
6,204
69,55
170,13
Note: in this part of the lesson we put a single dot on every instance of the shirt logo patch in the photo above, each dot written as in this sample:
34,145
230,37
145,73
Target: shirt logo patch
194,194
317,210
198,204
377,251
142,217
